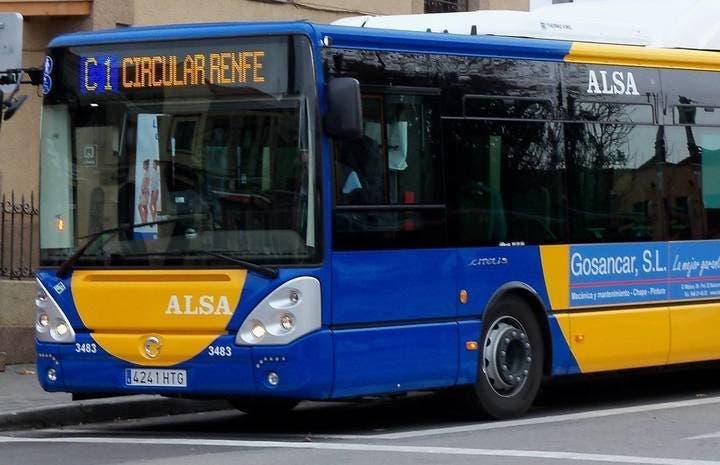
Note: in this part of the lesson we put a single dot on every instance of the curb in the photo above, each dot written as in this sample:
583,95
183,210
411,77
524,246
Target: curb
96,412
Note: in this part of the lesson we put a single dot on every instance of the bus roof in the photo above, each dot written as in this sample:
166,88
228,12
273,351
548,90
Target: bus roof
182,32
688,24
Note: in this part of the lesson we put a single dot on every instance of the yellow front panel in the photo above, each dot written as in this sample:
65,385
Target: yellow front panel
181,312
165,301
695,333
620,339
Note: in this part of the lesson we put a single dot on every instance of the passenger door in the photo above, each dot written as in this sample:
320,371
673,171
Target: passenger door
394,280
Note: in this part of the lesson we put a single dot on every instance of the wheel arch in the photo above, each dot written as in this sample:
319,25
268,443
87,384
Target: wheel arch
533,299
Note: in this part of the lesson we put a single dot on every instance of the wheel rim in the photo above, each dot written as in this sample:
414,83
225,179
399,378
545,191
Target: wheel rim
507,356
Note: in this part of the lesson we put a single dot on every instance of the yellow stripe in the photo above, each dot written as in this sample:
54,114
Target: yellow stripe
695,332
624,55
620,339
556,269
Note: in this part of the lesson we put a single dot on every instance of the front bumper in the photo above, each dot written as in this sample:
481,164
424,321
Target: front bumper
304,368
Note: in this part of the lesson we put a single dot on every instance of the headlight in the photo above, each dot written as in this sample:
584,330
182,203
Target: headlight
51,324
258,330
43,320
41,297
287,322
289,312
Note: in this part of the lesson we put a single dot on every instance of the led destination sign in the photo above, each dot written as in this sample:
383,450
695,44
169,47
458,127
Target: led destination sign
259,65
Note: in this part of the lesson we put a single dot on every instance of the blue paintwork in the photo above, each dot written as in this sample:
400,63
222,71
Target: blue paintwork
182,32
468,330
448,44
342,37
394,286
241,374
482,271
395,359
412,295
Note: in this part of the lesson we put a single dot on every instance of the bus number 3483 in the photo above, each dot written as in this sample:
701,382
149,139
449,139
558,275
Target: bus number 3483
220,351
86,348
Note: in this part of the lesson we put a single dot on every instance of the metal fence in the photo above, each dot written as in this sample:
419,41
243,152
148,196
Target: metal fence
19,242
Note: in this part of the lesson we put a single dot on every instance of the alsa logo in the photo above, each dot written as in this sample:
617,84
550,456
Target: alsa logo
204,305
617,83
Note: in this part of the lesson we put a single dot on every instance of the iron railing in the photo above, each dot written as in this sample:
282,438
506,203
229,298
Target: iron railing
19,242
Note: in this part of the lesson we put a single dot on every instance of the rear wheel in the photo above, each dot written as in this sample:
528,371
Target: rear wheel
263,406
510,366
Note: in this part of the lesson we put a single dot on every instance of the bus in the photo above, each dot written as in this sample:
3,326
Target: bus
276,212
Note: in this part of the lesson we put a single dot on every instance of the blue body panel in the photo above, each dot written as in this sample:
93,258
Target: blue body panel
304,368
181,32
445,44
341,37
406,285
395,359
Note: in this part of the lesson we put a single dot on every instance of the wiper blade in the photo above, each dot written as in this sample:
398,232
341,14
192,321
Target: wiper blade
266,271
67,266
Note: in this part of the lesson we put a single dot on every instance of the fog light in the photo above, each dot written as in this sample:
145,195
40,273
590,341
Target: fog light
287,322
273,378
40,298
294,297
61,329
258,330
52,374
44,320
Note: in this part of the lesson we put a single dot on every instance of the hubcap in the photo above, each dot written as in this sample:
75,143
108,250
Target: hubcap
507,355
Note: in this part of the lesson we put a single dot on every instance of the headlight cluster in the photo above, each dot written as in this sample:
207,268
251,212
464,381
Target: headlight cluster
289,312
51,324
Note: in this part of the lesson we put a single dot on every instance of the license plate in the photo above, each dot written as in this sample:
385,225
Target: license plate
151,377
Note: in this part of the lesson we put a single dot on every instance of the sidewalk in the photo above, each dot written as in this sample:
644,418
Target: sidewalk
24,404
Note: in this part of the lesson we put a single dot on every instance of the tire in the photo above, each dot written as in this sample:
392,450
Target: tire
267,407
510,363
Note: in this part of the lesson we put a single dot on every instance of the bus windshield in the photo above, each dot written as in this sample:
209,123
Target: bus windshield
215,136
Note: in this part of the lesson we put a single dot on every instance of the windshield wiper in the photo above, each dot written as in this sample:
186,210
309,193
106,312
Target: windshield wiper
265,271
67,266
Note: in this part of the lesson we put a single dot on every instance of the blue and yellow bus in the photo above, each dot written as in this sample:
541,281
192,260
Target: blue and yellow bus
274,212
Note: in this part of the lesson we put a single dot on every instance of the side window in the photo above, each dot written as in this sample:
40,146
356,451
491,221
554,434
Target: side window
396,161
388,184
691,174
615,190
507,182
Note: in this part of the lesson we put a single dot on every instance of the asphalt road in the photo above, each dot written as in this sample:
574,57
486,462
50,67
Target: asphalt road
657,418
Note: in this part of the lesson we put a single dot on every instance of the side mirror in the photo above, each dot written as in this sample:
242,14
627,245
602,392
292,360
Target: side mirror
344,118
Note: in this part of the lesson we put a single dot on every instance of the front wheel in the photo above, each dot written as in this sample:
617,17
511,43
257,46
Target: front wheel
510,366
